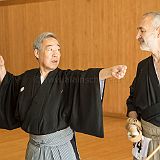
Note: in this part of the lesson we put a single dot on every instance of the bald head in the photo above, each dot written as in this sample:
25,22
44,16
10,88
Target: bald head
154,18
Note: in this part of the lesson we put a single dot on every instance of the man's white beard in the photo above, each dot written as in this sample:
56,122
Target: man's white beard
150,45
144,47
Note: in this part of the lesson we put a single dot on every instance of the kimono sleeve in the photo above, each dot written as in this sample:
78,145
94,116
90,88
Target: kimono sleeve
131,102
85,96
8,100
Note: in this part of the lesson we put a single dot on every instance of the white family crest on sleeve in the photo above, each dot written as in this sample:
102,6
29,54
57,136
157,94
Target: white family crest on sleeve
22,89
140,148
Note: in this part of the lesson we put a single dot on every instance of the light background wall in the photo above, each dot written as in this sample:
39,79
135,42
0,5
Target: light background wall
92,33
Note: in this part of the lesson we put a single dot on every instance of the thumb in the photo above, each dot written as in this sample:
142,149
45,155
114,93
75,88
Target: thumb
1,61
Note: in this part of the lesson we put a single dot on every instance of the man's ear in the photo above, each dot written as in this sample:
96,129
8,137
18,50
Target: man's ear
36,53
158,32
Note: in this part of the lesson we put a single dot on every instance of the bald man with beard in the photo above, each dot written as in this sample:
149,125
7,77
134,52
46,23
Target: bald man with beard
143,104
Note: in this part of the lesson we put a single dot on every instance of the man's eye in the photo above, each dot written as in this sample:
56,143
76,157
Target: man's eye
50,49
142,31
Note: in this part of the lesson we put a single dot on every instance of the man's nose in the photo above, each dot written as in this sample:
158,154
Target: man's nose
55,53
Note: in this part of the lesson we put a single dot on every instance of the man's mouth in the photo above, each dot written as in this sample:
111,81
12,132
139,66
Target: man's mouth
54,61
141,40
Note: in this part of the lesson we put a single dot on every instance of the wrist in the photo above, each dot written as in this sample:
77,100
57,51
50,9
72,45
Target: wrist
109,73
105,73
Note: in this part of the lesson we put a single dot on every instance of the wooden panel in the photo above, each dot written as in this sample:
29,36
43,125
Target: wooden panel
92,33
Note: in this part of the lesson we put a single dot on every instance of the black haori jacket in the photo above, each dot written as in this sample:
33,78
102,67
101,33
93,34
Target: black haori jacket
145,93
65,98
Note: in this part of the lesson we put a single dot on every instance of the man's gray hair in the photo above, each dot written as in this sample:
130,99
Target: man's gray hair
156,18
38,41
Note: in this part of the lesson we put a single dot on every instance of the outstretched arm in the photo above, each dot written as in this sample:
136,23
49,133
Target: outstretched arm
115,71
2,69
9,90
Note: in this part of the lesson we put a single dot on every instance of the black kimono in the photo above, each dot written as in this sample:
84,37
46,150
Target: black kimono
65,98
145,93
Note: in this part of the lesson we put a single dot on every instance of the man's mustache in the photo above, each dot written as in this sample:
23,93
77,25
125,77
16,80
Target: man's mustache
141,40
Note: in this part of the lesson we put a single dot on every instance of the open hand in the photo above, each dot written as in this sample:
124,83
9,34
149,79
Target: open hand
2,69
1,61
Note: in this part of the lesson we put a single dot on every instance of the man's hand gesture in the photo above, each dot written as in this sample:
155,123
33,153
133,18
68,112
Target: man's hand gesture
118,72
2,69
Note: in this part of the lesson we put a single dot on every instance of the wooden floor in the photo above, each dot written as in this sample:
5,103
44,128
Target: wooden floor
114,146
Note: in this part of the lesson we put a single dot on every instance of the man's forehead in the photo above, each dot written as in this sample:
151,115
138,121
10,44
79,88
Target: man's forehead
51,42
146,22
54,46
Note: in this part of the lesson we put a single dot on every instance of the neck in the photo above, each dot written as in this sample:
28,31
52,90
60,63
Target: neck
156,57
44,72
